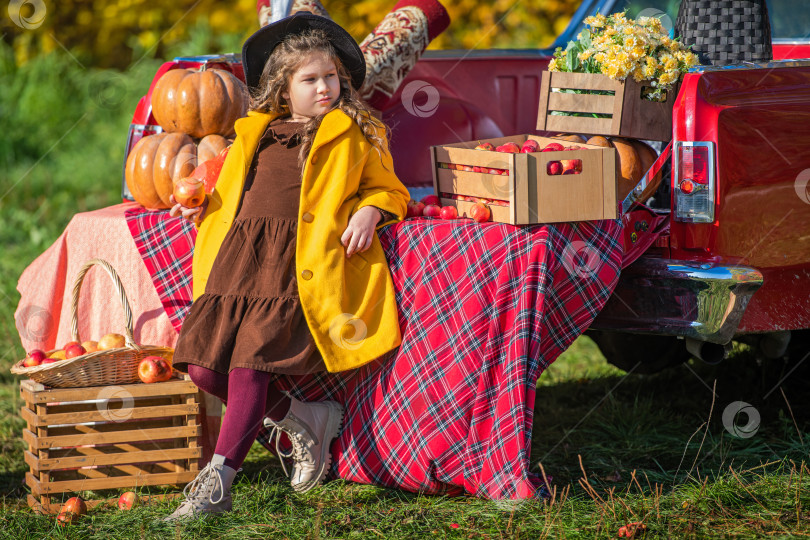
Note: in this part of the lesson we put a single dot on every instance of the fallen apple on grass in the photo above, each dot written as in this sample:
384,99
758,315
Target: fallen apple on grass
154,369
127,500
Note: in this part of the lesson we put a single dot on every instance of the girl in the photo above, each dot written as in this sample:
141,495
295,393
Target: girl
289,274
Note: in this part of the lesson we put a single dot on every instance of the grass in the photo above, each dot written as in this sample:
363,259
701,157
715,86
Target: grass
618,448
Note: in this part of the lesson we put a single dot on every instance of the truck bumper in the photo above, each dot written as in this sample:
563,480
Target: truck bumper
679,298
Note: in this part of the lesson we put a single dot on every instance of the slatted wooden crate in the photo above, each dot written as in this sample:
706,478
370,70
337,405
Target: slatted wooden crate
102,438
527,194
621,113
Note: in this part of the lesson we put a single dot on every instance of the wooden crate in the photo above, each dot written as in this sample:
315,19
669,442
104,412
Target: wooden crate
102,438
623,114
532,195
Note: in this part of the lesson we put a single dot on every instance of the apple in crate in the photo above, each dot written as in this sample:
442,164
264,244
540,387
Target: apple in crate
127,500
553,168
190,192
529,146
448,212
34,358
553,147
431,210
510,147
154,369
485,146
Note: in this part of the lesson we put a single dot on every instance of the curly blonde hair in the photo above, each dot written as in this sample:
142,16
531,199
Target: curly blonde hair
278,71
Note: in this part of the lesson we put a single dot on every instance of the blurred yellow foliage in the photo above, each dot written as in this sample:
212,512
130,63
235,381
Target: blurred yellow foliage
116,33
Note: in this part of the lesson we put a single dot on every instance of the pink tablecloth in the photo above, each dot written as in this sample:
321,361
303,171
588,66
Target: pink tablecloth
43,315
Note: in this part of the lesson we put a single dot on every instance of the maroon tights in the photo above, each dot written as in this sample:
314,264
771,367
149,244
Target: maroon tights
254,399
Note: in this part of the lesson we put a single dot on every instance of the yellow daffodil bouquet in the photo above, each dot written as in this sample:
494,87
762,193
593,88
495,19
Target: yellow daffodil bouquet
619,47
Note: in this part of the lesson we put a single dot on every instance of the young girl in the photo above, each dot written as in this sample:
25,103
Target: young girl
289,274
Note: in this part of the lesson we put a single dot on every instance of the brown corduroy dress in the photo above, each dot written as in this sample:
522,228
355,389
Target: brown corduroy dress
250,314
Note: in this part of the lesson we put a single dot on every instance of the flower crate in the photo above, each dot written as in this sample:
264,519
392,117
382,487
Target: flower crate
108,437
622,113
527,194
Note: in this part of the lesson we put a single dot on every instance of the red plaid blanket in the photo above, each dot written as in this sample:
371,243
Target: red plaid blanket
484,309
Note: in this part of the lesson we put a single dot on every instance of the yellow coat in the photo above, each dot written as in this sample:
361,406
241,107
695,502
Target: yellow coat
349,304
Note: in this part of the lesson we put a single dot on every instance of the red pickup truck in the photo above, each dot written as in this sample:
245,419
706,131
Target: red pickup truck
732,261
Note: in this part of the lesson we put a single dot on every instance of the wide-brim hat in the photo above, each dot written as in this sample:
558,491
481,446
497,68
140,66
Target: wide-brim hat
257,48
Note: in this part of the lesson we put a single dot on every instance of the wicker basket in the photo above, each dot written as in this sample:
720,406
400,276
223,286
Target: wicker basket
723,32
101,368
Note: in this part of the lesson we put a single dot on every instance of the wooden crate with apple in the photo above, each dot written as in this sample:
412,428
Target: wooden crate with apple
575,182
107,438
596,104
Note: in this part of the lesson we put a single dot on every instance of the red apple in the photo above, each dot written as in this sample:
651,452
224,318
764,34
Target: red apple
509,147
154,369
75,505
72,351
529,146
127,500
34,358
431,199
66,518
69,343
480,212
415,209
485,146
553,147
554,168
431,210
574,165
575,147
448,212
190,192
51,361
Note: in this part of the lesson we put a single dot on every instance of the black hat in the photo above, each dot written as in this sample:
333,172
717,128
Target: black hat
257,48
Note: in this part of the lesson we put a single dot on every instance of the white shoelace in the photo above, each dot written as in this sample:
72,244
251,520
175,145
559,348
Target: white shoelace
192,491
298,452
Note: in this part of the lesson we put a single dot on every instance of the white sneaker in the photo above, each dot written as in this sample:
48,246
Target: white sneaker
311,428
204,495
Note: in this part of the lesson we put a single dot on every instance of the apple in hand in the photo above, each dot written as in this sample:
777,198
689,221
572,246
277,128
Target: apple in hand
127,500
448,212
485,146
189,192
529,146
480,212
154,369
431,210
74,350
34,358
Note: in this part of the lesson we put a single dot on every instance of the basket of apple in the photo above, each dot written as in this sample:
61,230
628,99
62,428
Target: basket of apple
113,359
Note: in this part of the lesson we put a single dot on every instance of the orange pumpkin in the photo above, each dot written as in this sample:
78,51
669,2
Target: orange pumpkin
158,161
628,164
199,103
647,156
571,137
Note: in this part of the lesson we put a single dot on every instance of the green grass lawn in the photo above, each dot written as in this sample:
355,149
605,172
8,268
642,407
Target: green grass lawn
618,448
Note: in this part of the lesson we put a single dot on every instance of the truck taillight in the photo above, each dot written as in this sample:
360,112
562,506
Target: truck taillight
693,181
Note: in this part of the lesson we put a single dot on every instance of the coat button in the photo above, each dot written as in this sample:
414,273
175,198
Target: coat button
308,217
306,274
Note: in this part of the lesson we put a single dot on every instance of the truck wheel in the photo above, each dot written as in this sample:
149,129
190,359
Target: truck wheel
651,353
